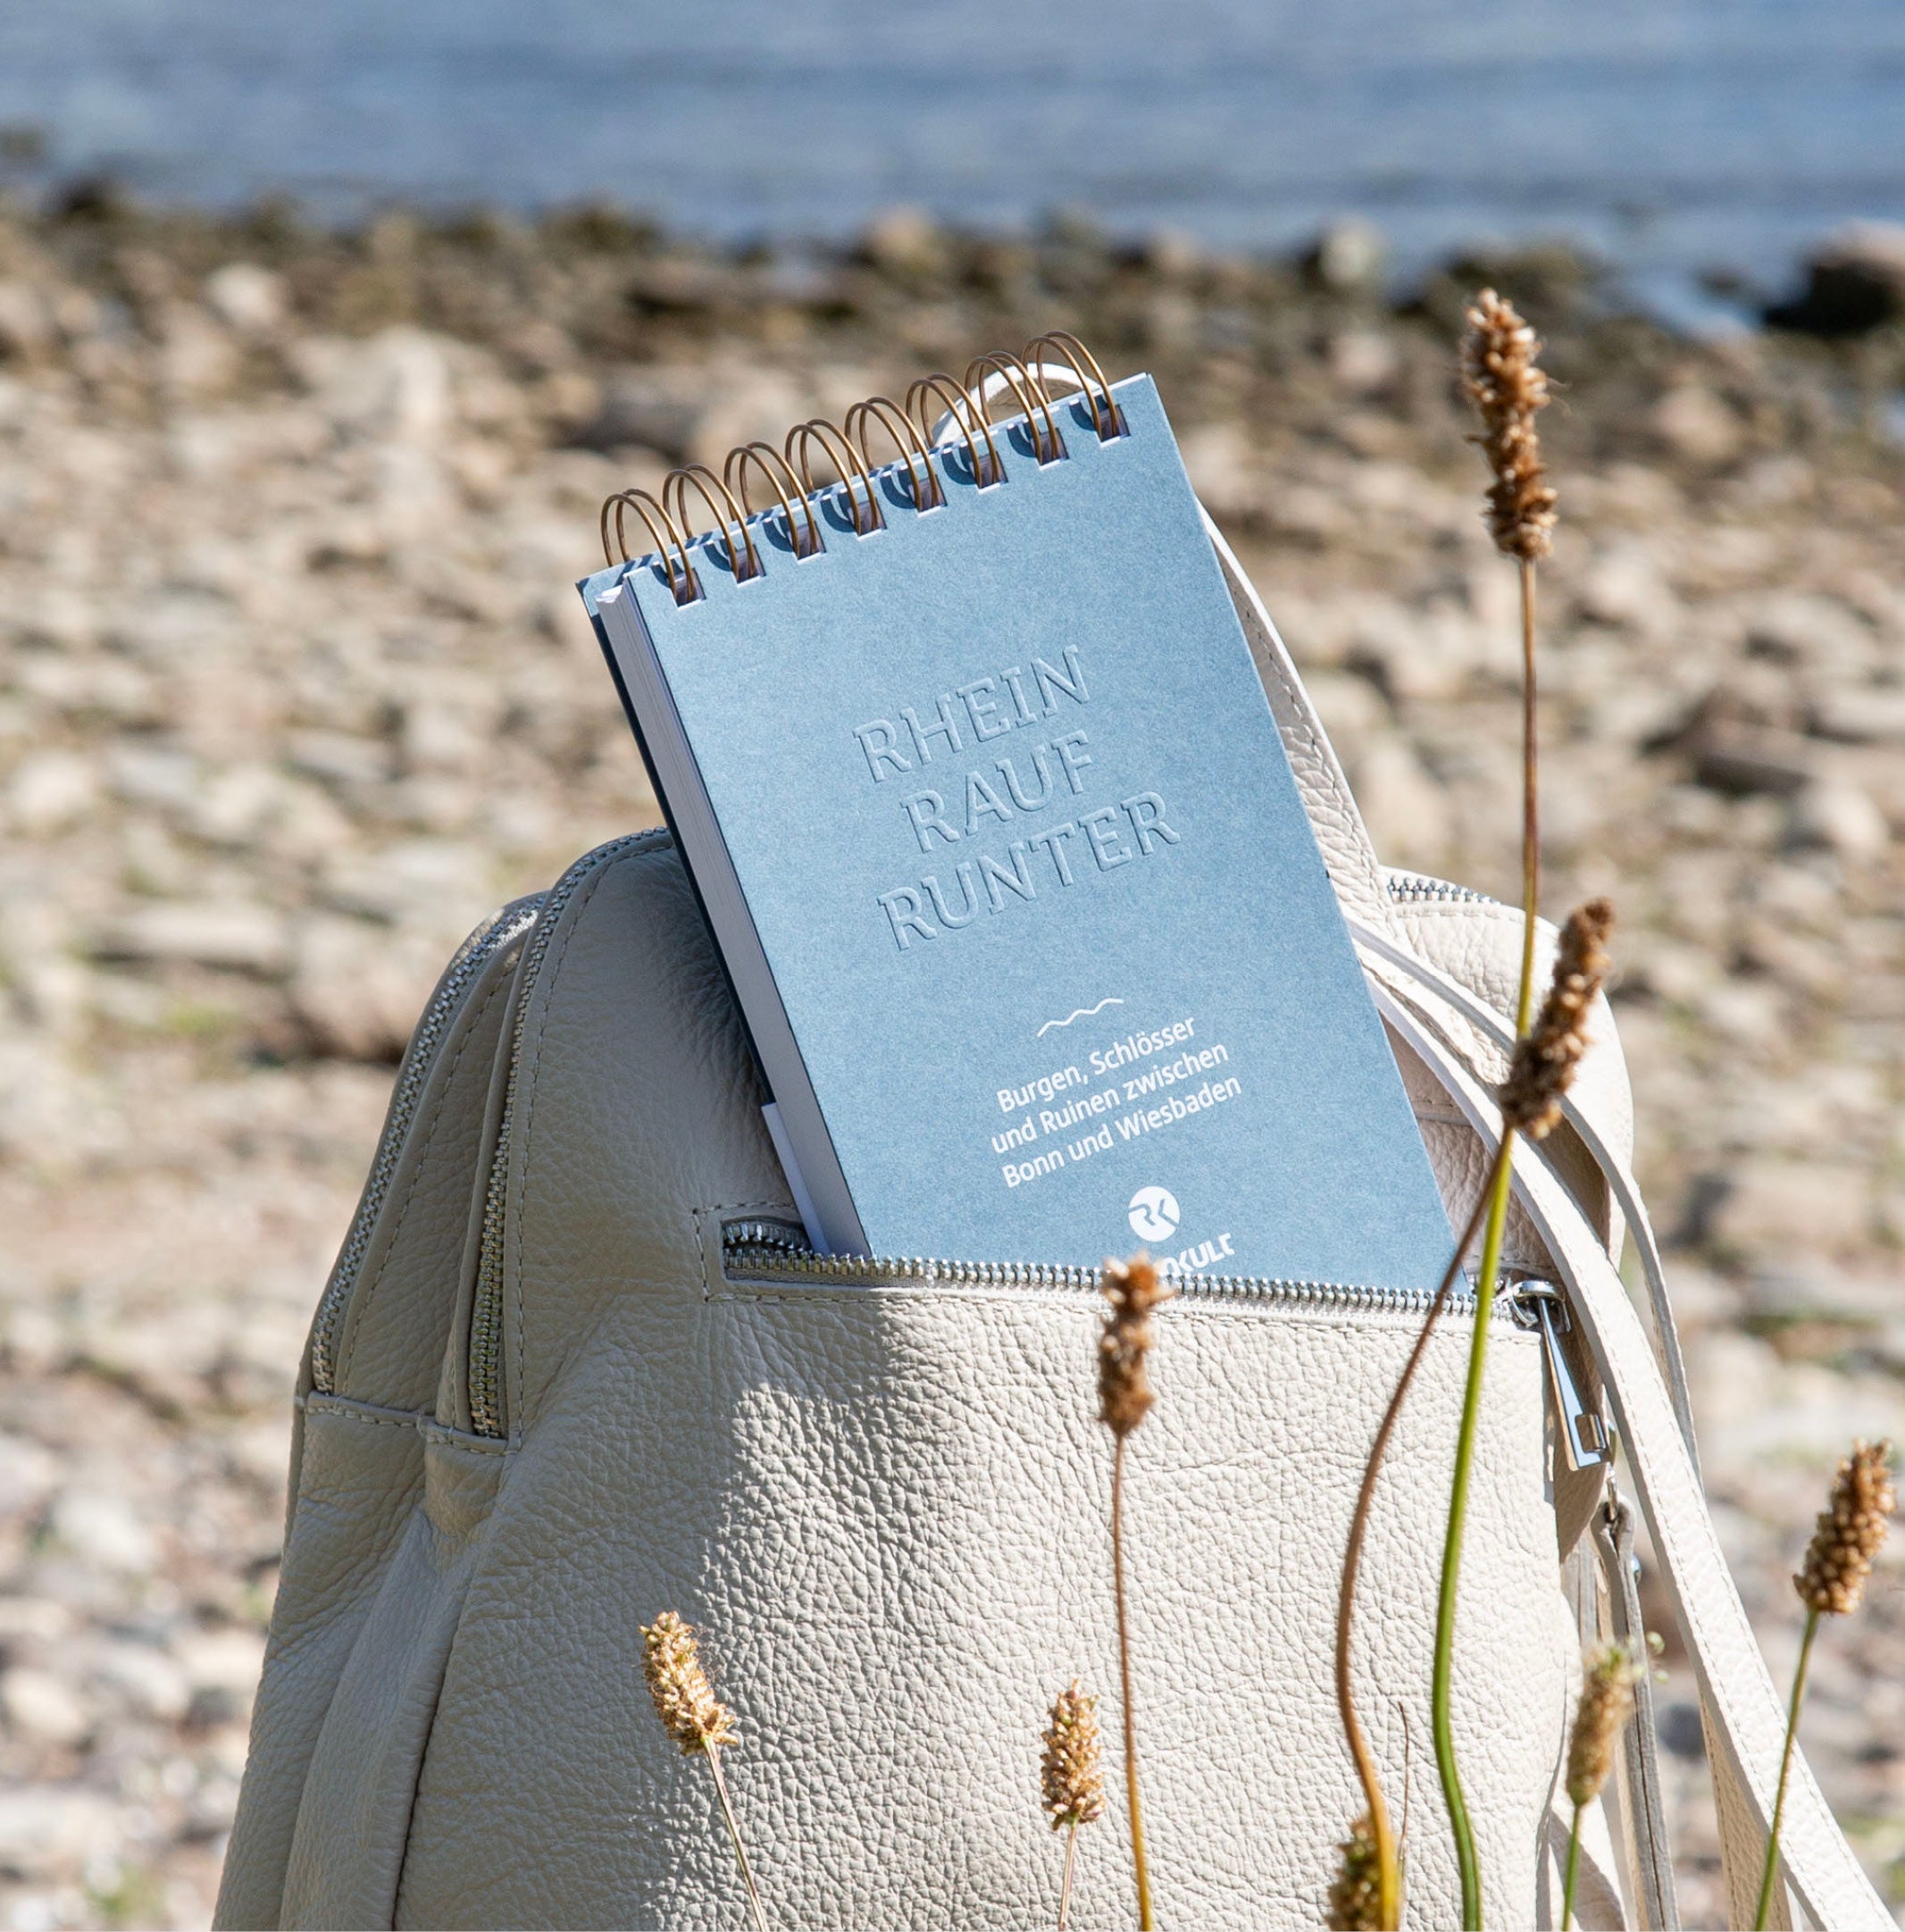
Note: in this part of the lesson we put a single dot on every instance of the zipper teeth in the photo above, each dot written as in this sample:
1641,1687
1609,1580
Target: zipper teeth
486,1312
1407,885
780,1259
477,951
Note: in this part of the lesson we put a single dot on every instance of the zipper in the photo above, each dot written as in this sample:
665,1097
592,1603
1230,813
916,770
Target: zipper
773,1254
1585,1438
485,1359
471,958
1417,886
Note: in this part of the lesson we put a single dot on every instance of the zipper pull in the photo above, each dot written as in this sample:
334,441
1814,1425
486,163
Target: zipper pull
1540,1304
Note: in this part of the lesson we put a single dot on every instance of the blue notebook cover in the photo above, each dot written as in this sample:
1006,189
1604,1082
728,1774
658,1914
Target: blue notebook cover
1046,926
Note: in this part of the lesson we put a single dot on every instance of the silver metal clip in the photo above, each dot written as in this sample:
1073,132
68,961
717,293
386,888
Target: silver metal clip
1582,1431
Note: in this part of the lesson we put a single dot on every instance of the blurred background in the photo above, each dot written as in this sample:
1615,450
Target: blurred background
323,331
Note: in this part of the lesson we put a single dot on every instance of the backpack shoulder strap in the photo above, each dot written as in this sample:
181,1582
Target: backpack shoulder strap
1745,1715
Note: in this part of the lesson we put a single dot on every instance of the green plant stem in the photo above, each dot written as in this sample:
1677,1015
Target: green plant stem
1441,1690
1442,1685
740,1856
1065,1890
1573,1867
1771,1872
1389,1861
1139,1869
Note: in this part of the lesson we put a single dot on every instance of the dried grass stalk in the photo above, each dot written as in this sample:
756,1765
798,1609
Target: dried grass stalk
1607,1703
1134,1292
696,1719
1124,1391
1851,1533
1831,1583
1071,1768
1508,386
1355,1903
1546,1058
684,1700
1071,1777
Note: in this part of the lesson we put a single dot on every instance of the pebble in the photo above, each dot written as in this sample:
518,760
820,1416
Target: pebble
248,939
42,1707
1840,816
103,1529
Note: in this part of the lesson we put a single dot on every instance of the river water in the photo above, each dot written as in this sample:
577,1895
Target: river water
1673,136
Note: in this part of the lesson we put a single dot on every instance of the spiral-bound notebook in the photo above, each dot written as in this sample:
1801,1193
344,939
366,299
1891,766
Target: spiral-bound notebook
987,809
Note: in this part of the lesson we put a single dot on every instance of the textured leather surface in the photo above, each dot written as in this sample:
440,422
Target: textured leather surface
358,1484
888,1509
391,1344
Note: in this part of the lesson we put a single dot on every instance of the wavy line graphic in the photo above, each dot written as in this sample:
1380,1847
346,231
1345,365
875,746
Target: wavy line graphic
1083,1013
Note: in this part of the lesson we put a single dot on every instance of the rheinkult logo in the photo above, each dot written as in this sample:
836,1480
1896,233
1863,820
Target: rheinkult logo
1153,1214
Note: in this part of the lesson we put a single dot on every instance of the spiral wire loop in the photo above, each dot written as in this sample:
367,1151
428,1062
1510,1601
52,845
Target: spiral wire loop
773,466
683,585
954,401
922,480
932,400
698,476
1033,403
1084,365
846,459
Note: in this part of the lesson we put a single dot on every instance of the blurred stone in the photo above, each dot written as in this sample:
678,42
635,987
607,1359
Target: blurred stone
1793,1208
238,937
1841,818
227,1661
246,297
1349,256
1797,628
339,755
49,789
42,1706
356,990
1364,360
1873,715
657,408
1742,764
27,328
1223,468
1697,424
1402,804
904,239
154,1684
1624,586
105,1530
395,385
1855,282
54,1829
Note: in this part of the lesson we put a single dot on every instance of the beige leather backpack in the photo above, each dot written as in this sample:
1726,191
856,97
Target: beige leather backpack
573,1369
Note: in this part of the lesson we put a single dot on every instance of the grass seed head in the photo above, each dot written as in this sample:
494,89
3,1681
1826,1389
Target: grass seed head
684,1699
1850,1531
1356,1893
1125,1390
1508,386
1607,1703
1071,1771
1545,1063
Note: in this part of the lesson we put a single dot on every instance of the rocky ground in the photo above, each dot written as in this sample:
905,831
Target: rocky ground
294,689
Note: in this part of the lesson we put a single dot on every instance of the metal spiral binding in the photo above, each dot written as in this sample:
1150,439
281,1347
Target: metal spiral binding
933,401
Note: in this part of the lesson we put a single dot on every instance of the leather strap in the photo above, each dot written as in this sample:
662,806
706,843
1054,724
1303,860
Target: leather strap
1652,1856
1625,1189
1746,1714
